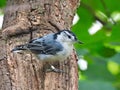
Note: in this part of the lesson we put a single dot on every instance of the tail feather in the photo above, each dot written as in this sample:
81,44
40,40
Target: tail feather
19,48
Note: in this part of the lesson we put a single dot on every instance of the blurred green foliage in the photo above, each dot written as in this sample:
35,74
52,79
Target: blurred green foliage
2,3
102,49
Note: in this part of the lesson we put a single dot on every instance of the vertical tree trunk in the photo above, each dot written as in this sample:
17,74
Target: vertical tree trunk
26,18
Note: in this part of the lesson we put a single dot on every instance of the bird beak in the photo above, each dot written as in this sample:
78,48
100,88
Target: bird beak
80,42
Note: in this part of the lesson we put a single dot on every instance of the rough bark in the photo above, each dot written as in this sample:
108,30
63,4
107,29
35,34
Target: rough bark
26,19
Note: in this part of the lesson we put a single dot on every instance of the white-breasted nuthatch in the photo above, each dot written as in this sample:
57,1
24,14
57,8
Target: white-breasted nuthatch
51,47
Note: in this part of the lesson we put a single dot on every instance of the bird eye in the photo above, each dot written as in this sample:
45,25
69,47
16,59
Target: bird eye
69,36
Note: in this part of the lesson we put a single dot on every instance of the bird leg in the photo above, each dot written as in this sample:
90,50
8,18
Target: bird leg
52,68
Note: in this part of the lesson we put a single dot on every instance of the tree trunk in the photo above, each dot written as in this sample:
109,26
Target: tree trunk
26,19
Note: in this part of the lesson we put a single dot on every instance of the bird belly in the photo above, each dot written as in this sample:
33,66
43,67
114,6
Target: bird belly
60,56
50,58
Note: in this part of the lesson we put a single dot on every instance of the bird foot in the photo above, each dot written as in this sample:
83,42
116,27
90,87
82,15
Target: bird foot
53,69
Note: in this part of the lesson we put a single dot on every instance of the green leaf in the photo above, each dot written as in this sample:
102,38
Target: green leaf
115,37
113,67
106,51
2,3
94,4
101,16
112,5
97,69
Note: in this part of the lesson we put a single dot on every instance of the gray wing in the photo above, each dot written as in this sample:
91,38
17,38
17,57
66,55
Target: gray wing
44,46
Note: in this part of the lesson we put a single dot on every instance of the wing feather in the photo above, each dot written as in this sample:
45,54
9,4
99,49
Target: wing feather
42,47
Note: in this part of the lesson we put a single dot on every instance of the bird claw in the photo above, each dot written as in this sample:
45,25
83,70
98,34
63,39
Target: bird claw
54,70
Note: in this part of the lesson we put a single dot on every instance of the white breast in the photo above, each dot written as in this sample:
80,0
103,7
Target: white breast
62,55
68,48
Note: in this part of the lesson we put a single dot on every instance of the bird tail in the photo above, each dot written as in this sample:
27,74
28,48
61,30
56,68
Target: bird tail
19,48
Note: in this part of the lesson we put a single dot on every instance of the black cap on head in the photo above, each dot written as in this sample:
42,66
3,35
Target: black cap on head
69,34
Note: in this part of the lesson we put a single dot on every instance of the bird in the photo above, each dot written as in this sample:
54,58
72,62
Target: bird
51,47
